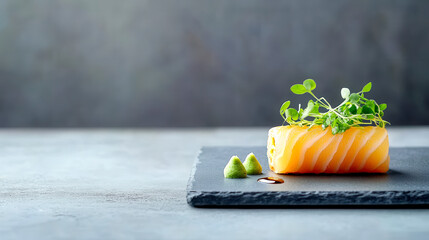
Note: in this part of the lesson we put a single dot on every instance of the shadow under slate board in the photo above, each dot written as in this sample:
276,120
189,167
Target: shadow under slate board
406,183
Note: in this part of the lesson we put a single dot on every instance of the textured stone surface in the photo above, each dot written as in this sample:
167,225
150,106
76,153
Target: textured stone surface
131,184
407,183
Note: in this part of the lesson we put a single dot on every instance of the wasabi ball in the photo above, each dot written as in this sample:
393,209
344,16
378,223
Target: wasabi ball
252,165
234,169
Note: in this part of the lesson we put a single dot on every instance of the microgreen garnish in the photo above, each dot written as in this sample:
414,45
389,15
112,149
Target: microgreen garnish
354,111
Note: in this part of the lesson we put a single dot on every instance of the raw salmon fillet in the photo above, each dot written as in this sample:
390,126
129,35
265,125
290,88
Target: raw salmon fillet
294,149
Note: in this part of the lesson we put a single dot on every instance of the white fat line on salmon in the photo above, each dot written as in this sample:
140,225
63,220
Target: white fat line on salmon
292,148
371,151
332,153
316,156
362,146
309,144
348,146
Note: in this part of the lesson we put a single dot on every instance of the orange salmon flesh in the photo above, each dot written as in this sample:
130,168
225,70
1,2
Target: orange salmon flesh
294,149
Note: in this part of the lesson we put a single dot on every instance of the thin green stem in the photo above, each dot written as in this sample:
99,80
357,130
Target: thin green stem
318,100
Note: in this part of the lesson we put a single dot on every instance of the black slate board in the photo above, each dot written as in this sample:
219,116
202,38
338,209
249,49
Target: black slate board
406,183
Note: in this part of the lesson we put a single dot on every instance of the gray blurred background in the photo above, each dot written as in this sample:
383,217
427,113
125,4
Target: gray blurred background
170,63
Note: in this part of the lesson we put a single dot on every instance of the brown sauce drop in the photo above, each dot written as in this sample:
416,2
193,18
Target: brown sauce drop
271,180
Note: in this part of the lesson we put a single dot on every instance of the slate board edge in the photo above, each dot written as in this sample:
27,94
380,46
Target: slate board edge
310,198
192,176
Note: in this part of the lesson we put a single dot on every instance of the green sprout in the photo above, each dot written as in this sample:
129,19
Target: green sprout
354,111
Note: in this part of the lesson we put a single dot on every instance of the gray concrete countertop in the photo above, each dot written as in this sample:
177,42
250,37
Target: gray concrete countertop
131,184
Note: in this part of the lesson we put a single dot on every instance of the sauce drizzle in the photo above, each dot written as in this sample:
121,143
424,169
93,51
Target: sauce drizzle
271,180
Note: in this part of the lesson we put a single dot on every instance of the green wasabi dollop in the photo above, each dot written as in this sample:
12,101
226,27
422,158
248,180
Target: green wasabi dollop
234,169
253,167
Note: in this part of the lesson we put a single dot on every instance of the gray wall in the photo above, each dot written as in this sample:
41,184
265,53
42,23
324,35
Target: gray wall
205,63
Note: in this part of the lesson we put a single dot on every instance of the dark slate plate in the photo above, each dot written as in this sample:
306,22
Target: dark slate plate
406,183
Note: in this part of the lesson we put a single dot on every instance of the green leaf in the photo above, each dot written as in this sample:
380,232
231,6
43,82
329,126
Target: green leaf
371,105
359,111
343,107
335,130
345,93
353,109
292,113
367,110
332,116
315,109
334,123
309,84
308,109
327,121
344,127
383,106
284,106
354,98
367,87
298,89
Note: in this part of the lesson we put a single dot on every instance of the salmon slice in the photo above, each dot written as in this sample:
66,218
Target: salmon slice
294,149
